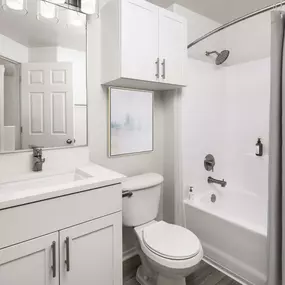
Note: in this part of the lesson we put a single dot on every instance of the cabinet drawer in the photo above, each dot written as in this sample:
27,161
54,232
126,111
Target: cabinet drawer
29,221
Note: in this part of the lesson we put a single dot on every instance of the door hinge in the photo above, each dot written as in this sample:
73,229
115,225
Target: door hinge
21,129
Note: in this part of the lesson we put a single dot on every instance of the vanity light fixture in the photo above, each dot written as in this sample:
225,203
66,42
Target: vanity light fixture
88,6
47,12
18,6
75,19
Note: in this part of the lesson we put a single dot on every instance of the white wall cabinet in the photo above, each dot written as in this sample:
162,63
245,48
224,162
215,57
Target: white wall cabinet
143,46
85,248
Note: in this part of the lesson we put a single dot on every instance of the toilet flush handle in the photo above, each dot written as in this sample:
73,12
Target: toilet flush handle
127,194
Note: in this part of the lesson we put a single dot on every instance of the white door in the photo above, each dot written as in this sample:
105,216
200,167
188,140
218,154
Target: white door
91,253
139,40
47,104
34,262
172,47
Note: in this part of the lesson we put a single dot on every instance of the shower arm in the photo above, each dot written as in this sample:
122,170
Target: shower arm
211,52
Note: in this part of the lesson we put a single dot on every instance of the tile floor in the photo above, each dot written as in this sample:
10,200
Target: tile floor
204,275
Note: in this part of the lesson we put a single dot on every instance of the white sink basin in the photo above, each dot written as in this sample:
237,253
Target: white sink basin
42,182
40,186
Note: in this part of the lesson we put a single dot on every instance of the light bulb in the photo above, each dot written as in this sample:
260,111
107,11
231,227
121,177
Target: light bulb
88,6
47,10
18,6
15,4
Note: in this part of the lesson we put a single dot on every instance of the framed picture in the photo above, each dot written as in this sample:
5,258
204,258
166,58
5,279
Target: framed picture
130,121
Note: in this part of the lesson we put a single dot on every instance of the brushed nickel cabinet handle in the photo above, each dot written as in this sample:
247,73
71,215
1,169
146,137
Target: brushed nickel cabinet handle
53,267
163,75
67,261
157,68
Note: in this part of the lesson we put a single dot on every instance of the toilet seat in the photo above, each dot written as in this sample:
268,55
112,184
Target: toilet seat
171,241
166,259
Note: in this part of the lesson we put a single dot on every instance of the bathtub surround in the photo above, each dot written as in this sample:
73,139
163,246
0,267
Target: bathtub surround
276,219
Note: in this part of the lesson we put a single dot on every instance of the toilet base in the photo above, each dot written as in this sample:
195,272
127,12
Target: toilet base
161,280
142,279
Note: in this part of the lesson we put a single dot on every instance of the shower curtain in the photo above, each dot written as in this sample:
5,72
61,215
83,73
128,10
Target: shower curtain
276,202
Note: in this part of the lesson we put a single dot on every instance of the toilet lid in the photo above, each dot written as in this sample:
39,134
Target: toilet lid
171,241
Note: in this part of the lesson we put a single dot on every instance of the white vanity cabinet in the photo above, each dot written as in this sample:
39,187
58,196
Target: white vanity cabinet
143,46
69,240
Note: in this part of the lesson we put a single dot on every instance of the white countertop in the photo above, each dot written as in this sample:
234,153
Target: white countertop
41,186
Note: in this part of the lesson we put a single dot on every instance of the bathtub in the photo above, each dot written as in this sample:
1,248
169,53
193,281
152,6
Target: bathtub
233,235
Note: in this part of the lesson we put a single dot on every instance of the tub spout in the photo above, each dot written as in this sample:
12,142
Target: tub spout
223,183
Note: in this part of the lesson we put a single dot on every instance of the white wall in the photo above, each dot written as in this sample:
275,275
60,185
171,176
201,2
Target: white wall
13,50
43,54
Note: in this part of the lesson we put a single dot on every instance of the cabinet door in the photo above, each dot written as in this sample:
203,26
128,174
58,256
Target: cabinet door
172,47
31,263
91,253
139,40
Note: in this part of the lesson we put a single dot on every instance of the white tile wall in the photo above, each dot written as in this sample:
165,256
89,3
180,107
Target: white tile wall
224,111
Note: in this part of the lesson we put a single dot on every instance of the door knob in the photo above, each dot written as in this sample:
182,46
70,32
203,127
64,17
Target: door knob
69,141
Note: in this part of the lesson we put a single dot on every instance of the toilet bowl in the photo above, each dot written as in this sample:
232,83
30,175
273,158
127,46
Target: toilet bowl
168,253
171,251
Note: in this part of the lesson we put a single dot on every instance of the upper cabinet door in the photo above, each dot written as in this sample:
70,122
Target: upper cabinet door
91,253
139,40
172,47
31,263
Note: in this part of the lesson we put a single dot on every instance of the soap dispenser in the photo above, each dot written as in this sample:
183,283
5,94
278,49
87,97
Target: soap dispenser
259,148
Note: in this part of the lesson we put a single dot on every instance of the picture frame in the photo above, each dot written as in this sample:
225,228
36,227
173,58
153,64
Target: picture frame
130,121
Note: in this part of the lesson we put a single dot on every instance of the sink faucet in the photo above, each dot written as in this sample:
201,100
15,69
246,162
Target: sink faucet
223,183
38,160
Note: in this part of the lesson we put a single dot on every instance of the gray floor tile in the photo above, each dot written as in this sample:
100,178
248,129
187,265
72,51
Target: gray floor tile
204,274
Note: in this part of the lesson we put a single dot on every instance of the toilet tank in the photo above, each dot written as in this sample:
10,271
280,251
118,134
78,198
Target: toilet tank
142,207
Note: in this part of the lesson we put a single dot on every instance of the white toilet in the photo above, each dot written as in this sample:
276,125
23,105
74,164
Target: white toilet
168,252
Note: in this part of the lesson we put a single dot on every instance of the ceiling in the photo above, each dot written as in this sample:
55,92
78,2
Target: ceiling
31,32
220,11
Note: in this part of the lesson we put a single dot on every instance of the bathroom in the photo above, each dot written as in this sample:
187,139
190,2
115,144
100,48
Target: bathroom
68,202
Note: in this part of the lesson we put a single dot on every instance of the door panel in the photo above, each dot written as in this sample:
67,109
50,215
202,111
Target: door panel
46,104
139,40
172,47
30,262
92,252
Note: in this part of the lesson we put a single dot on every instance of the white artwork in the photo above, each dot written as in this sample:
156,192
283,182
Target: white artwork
130,121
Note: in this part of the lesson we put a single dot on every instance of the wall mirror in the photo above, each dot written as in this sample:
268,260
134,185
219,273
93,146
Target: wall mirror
43,98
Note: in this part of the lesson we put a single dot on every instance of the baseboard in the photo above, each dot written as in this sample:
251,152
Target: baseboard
131,262
129,253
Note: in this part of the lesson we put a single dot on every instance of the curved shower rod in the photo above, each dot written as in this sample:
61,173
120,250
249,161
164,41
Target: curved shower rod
238,20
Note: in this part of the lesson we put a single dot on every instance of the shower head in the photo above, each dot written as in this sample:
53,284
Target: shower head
221,57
